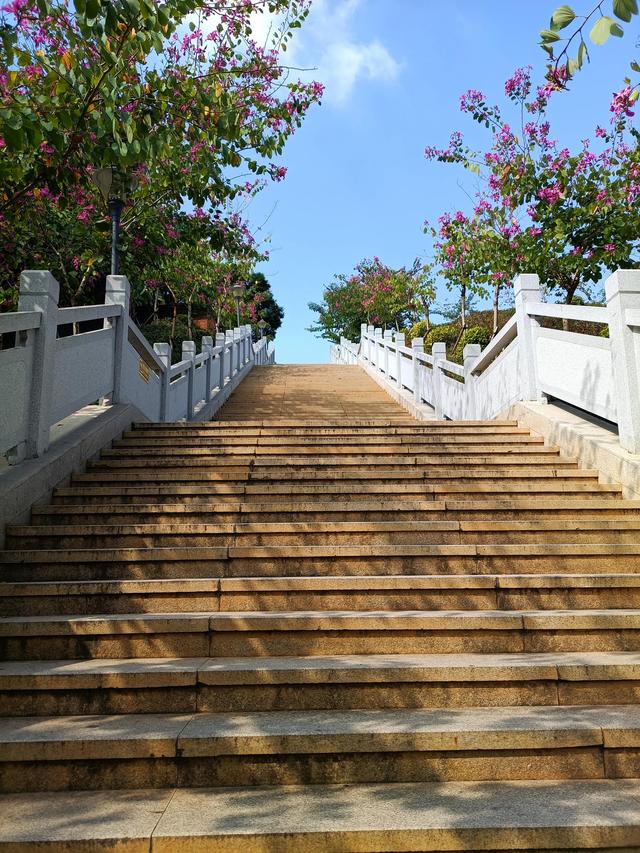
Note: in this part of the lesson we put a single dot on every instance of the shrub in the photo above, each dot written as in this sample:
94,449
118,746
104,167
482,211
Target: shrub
160,332
447,334
418,330
476,335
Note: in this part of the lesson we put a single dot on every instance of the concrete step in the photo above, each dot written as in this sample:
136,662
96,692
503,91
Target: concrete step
296,633
444,445
182,534
205,512
318,747
404,592
323,443
309,560
213,429
550,815
337,682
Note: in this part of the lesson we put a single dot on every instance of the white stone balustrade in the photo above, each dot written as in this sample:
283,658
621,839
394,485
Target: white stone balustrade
45,378
525,361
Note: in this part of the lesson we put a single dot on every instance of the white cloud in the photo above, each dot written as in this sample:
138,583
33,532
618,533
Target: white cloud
327,44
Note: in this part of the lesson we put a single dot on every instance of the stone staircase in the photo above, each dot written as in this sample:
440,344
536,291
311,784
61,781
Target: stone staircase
316,624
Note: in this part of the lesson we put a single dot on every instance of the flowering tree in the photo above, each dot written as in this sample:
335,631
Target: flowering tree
600,27
567,216
374,294
177,95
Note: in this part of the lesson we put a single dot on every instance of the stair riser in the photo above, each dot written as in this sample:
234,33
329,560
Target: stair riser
143,516
77,605
313,769
116,569
136,698
419,537
316,642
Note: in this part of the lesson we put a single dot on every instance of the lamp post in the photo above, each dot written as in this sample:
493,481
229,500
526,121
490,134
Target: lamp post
111,184
262,324
238,290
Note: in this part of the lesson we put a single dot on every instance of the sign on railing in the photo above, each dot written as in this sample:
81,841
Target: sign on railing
524,361
45,377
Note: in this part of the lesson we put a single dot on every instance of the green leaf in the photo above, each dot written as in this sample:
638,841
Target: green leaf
635,66
625,9
549,36
93,7
617,31
601,30
582,53
562,17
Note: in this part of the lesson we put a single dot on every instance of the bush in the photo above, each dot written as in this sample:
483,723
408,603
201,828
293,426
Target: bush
160,332
476,335
447,334
418,330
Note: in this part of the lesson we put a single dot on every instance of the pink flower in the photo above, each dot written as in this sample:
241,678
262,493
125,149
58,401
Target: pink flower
621,104
610,248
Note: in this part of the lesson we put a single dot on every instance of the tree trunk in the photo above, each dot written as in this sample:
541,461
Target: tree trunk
155,306
174,318
571,292
189,331
463,307
496,303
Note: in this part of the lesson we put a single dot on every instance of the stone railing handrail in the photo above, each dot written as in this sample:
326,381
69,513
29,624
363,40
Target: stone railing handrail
45,378
524,361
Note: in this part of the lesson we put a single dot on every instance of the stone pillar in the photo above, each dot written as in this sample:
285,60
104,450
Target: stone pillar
363,341
469,354
207,347
228,339
527,289
399,336
39,291
439,353
189,353
378,343
163,351
117,293
417,346
623,297
371,345
220,342
387,338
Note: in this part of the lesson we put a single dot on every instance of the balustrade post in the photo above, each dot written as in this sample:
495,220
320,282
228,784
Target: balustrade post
399,337
220,342
387,342
623,295
527,289
371,331
378,341
39,291
207,347
469,355
228,340
117,293
163,351
249,344
237,345
189,352
363,341
439,353
417,346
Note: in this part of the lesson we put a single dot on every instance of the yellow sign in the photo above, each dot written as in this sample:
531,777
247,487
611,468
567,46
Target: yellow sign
143,370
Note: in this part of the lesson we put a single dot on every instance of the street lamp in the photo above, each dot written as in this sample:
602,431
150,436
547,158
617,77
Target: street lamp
111,184
238,290
262,324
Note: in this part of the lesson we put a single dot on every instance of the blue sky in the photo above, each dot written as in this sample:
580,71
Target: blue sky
358,184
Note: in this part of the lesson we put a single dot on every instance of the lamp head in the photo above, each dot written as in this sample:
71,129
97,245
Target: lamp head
112,183
238,289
